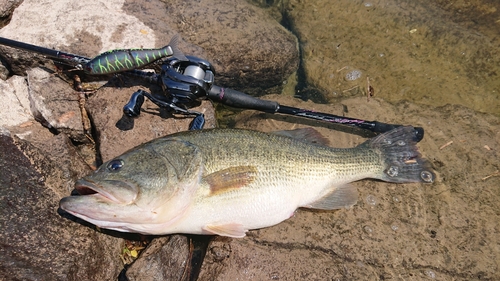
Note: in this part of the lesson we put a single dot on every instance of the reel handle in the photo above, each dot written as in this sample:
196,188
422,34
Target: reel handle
133,107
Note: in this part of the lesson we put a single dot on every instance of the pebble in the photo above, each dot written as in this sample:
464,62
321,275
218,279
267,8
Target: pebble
353,75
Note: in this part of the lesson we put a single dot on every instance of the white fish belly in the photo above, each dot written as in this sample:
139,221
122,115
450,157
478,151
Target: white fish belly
253,208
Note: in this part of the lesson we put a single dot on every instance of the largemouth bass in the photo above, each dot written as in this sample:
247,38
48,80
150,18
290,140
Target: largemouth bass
228,181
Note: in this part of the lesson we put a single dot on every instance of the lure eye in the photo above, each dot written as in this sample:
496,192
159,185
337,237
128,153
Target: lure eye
115,165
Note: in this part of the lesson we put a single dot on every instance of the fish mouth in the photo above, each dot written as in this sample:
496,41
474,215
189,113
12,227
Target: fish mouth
88,188
105,203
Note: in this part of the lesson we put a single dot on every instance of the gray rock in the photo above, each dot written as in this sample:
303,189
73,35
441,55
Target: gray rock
175,257
249,49
55,105
6,9
251,52
36,242
15,105
4,72
164,259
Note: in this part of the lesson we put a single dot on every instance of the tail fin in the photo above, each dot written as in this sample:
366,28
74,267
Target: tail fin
400,157
177,53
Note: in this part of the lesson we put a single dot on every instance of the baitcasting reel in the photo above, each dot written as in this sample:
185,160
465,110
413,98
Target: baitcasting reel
184,84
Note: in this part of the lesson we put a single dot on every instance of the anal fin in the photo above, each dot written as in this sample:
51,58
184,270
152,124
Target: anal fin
340,197
234,230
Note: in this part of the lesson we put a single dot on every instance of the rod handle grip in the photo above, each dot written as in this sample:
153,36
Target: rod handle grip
238,99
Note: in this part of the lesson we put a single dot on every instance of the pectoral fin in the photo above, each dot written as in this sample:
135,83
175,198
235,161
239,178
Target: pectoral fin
234,230
230,178
341,197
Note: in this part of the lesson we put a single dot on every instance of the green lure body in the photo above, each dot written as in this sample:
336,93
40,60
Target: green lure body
128,59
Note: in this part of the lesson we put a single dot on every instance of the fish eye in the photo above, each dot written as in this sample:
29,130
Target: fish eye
115,165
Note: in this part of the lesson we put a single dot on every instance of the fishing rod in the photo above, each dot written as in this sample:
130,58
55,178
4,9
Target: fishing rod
72,59
185,80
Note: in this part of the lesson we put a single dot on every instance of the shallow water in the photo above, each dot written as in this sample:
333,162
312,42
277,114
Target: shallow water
427,52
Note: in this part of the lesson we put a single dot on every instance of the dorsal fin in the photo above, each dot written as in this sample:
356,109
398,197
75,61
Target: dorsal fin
309,135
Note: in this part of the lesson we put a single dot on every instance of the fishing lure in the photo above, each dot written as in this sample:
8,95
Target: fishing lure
121,60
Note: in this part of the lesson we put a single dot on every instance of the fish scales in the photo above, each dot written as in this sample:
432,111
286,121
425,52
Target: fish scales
228,181
283,164
281,156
